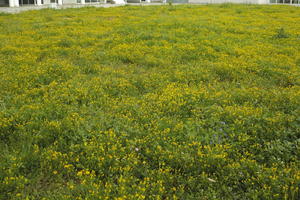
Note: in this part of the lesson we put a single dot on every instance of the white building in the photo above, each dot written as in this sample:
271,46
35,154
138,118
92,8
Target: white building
17,3
248,1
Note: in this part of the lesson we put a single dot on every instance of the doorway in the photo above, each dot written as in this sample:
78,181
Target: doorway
4,3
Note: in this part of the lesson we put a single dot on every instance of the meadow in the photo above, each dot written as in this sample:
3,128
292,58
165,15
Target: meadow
150,102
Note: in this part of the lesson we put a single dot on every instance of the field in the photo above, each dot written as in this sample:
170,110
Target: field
150,102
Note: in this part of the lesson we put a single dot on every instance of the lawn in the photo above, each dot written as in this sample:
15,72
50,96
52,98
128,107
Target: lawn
150,102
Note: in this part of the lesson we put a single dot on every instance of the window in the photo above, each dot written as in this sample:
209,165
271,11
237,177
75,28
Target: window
285,1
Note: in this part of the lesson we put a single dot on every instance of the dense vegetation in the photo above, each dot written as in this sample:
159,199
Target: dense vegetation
159,102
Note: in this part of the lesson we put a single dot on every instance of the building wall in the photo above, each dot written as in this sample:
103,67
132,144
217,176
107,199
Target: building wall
230,1
69,1
178,1
72,1
63,1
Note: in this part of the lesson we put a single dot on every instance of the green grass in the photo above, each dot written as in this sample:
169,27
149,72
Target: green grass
153,102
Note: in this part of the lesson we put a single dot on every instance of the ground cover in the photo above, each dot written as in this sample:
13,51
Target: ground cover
157,102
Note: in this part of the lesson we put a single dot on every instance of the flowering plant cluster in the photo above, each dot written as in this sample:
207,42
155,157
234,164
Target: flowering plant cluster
156,102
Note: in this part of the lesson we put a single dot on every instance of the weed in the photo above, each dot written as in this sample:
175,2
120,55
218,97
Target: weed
281,33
